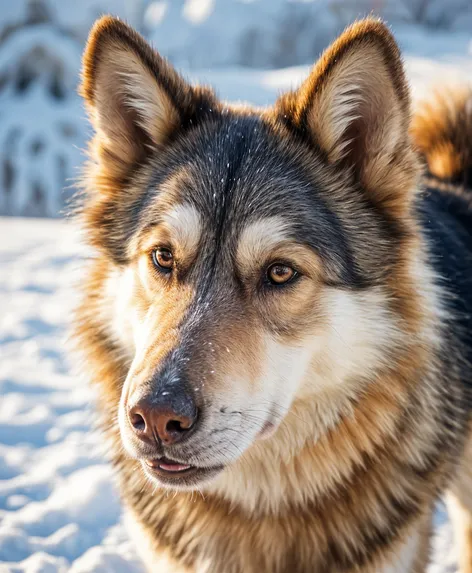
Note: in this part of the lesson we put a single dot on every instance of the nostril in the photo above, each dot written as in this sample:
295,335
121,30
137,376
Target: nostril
137,421
179,425
174,426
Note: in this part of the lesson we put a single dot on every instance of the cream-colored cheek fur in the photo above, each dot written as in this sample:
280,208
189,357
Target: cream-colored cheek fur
269,399
131,323
358,336
128,312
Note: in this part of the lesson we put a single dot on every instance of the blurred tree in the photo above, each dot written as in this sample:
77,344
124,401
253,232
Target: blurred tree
435,13
42,123
40,119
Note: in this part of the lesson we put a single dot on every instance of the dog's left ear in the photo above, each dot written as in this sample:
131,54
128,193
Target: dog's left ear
355,106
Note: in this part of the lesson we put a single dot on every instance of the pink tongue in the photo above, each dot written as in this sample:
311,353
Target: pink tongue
174,467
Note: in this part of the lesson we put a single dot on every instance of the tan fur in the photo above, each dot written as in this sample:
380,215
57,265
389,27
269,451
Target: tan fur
442,130
351,380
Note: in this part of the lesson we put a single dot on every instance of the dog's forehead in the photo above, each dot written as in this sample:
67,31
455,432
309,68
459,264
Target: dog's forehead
228,173
236,171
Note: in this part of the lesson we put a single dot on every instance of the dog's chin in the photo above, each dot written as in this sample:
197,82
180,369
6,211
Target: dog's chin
177,476
174,475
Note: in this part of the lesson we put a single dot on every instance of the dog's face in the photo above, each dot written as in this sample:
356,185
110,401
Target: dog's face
250,251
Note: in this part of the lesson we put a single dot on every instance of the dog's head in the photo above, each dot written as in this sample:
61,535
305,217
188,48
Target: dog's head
252,252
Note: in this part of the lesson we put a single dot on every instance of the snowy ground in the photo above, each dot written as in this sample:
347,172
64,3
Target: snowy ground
59,510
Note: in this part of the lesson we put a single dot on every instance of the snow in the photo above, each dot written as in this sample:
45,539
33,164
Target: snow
59,508
41,123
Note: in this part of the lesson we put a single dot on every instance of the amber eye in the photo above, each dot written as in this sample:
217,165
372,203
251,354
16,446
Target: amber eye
279,274
163,259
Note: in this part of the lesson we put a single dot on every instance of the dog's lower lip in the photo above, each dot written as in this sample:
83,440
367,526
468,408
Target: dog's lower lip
167,465
170,472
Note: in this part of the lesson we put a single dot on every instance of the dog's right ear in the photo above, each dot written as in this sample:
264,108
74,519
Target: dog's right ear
355,108
135,99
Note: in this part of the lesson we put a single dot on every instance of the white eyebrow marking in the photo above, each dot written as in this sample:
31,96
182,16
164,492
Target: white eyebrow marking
184,224
259,238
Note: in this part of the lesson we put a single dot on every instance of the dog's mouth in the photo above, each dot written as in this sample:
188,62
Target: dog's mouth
170,472
169,466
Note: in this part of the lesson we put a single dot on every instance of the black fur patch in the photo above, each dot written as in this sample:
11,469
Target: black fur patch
447,224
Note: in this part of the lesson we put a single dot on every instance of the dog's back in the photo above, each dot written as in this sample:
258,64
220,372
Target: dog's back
442,131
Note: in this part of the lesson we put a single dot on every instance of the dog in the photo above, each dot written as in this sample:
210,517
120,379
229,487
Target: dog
278,313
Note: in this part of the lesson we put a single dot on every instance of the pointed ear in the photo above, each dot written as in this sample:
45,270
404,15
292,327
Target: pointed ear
355,106
135,99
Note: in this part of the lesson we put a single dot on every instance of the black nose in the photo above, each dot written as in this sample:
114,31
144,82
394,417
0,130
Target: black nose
168,417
